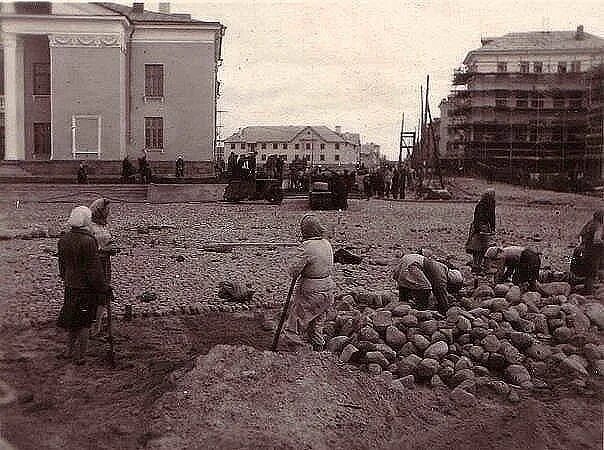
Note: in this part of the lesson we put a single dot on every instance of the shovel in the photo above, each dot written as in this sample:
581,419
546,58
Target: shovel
284,314
111,353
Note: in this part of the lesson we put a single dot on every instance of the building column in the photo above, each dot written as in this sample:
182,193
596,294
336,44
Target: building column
14,118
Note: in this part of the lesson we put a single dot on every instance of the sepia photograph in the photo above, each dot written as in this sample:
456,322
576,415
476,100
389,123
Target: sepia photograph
302,224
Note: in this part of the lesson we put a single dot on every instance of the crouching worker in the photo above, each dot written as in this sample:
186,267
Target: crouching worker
520,263
417,276
313,293
81,271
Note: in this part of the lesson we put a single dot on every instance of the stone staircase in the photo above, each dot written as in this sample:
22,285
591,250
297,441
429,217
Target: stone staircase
99,172
72,193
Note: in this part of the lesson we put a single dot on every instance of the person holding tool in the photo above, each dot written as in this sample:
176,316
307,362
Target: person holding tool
106,248
311,270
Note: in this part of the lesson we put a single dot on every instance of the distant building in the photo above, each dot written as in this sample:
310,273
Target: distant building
319,145
97,81
522,103
370,155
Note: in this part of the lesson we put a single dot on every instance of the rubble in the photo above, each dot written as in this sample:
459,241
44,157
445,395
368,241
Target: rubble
507,338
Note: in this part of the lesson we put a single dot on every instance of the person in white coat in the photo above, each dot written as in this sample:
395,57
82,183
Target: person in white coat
314,291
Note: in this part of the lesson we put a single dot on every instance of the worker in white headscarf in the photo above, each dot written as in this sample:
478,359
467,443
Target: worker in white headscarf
313,293
81,271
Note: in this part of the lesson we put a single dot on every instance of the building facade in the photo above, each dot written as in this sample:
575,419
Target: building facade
521,104
319,145
99,81
370,155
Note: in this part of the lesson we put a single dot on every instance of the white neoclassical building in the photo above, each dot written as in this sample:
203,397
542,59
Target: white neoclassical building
97,81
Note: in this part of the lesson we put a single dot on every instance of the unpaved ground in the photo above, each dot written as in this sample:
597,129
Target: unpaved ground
292,401
62,406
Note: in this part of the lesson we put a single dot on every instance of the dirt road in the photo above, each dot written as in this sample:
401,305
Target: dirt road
166,394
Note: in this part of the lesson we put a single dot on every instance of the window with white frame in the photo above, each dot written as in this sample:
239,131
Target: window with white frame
154,80
154,133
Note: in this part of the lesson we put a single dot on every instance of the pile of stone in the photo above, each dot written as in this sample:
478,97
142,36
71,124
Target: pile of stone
505,341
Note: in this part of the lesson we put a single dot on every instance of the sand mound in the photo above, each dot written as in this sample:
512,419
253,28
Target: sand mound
239,397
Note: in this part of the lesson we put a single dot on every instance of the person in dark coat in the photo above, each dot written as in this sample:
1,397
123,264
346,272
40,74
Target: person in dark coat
404,173
482,229
339,190
395,183
143,168
82,273
242,169
592,242
251,163
128,171
180,167
232,165
368,185
522,264
82,174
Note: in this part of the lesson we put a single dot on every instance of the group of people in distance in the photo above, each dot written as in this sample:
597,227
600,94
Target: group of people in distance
85,268
144,171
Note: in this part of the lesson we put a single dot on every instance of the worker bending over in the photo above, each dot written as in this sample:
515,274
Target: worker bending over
522,264
417,276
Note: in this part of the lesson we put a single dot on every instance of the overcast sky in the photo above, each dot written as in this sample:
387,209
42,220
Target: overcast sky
359,64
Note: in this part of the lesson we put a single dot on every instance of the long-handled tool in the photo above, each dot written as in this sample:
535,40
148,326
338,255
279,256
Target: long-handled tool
111,354
284,314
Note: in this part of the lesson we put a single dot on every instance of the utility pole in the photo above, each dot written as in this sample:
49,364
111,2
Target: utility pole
425,118
421,122
401,143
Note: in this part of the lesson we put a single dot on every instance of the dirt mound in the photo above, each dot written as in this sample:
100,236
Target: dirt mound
238,397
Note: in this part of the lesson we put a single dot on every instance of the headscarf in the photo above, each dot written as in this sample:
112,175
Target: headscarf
311,227
80,217
455,277
100,211
494,253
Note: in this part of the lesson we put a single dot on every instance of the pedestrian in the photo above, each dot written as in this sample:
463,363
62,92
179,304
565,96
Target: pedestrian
180,167
482,229
106,248
340,191
143,168
378,183
313,292
522,264
232,165
417,276
128,170
403,175
81,271
242,167
82,174
593,247
368,185
252,163
387,181
395,183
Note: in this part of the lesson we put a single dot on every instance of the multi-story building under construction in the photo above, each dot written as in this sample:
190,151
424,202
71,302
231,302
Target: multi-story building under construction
528,103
